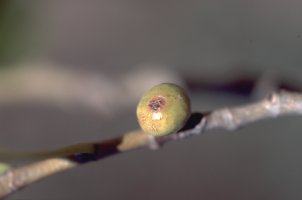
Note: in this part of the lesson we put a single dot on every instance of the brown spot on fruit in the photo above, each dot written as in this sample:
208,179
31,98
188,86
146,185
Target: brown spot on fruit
157,104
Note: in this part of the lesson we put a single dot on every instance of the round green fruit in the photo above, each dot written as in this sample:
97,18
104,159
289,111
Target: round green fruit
164,109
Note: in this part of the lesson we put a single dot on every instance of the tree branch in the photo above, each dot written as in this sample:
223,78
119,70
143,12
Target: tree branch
275,105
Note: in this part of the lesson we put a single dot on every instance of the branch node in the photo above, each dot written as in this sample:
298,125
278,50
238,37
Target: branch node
152,143
228,119
274,104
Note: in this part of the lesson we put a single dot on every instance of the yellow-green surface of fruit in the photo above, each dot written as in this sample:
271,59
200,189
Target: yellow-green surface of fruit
164,109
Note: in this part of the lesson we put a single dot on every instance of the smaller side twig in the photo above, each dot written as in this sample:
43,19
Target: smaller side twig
16,178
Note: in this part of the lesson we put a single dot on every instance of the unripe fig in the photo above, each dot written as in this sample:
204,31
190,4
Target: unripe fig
164,109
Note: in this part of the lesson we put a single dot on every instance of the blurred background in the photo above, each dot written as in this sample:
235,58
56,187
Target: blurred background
73,71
